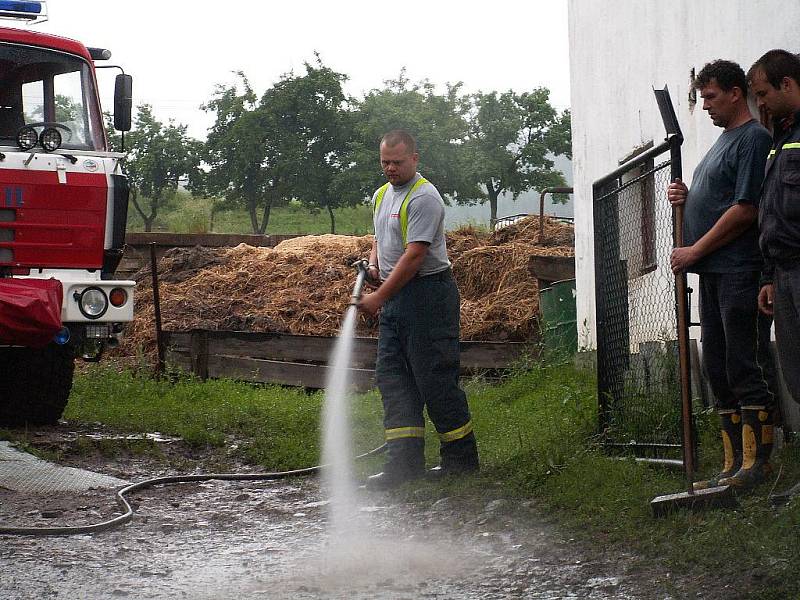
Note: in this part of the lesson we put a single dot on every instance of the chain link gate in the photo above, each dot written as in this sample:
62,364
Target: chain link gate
642,330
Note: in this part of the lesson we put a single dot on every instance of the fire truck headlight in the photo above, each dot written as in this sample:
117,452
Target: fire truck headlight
27,138
50,139
92,302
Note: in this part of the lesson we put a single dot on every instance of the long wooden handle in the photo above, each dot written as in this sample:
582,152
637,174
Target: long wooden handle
682,300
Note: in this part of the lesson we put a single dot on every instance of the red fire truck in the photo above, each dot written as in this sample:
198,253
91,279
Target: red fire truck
63,209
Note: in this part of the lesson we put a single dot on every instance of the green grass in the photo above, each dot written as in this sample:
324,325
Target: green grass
187,214
275,427
537,439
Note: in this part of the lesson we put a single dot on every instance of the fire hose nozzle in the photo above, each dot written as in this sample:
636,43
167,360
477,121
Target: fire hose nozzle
361,274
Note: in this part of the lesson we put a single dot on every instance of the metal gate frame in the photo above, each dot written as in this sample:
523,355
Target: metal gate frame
610,373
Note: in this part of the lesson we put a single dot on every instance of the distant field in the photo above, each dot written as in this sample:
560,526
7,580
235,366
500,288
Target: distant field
193,215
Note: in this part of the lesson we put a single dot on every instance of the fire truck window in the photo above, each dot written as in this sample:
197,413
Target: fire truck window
69,108
33,101
39,85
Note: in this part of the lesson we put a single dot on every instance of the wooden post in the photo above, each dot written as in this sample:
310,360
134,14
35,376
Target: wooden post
198,350
682,304
157,309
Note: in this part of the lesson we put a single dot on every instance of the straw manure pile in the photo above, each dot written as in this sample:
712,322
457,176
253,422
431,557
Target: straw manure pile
303,285
499,294
465,238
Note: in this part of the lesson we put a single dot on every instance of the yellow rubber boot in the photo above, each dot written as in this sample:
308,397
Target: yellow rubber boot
757,437
731,427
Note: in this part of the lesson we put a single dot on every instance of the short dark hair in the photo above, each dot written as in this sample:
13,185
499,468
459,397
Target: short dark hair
726,73
400,136
776,64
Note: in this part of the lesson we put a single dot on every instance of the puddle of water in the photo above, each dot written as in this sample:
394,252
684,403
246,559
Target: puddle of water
369,563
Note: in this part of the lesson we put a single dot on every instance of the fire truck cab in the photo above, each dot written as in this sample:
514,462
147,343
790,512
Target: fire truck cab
63,211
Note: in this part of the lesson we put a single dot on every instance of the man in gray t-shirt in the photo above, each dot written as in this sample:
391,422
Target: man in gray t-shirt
418,305
425,211
721,245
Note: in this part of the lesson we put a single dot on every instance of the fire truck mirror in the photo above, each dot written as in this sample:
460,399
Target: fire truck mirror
123,102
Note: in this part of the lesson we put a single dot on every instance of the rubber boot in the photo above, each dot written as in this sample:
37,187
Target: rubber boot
731,428
459,457
757,437
405,462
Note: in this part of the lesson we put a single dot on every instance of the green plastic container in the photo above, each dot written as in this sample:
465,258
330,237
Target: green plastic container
559,317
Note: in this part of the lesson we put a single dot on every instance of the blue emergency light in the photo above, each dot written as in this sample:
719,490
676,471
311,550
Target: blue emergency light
22,10
62,336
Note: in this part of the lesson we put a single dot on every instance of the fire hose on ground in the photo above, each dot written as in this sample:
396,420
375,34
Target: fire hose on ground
127,509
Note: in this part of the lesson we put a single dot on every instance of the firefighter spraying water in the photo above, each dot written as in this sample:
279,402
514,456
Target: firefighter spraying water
63,210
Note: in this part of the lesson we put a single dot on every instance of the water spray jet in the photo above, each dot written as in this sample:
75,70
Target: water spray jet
337,430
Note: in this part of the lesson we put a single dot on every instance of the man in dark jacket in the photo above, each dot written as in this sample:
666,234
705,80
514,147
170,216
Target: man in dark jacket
775,81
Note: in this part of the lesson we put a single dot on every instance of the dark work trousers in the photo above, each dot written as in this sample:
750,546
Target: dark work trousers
732,331
418,366
786,305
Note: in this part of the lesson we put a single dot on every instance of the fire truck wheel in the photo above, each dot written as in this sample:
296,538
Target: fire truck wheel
34,384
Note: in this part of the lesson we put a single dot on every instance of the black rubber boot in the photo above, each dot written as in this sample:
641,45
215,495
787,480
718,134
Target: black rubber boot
405,462
459,457
757,437
731,427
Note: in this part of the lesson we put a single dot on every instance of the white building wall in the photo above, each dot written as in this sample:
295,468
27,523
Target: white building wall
620,51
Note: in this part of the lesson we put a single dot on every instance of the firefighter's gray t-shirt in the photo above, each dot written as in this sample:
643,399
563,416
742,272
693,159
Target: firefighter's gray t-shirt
731,172
425,224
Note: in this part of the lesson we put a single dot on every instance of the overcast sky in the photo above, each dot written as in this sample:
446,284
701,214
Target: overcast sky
177,50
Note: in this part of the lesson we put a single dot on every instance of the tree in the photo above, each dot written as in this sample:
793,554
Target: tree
437,121
308,117
244,163
67,109
289,145
159,156
511,139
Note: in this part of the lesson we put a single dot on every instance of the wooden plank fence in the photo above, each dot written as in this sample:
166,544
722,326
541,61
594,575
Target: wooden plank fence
301,360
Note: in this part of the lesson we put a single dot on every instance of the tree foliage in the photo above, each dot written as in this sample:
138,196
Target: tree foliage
159,156
287,145
437,121
308,117
240,165
304,139
512,140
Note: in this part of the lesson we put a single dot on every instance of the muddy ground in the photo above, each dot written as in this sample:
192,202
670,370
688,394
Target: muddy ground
270,540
